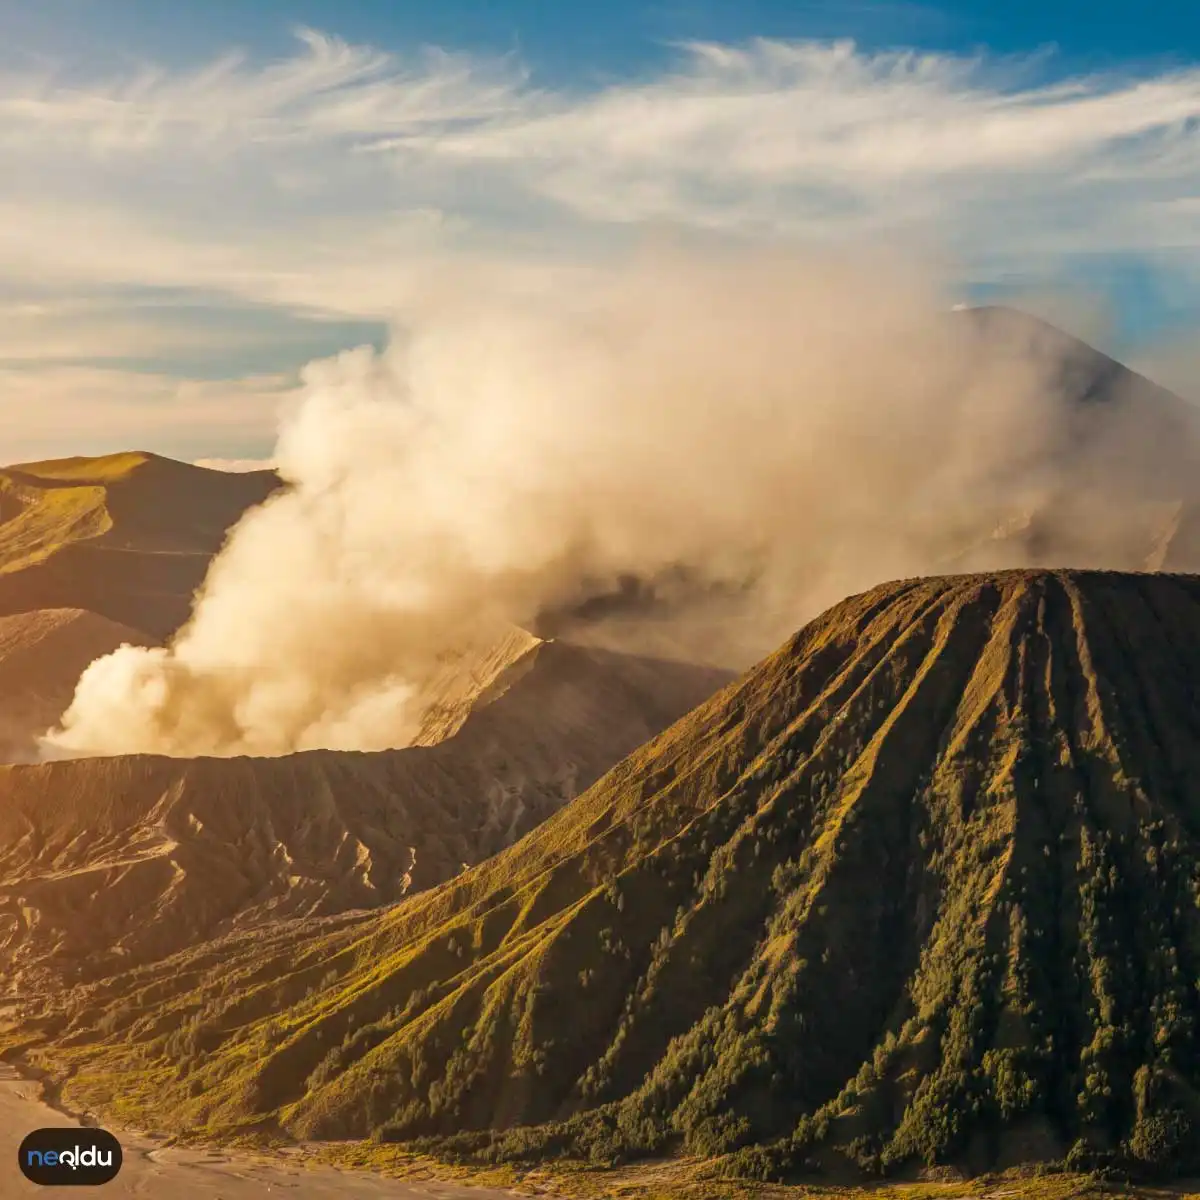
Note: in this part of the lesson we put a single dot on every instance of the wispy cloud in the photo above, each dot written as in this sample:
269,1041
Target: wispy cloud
51,411
236,465
767,136
330,179
800,138
329,89
160,329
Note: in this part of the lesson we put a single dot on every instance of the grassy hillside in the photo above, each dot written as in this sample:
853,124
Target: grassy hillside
127,536
924,887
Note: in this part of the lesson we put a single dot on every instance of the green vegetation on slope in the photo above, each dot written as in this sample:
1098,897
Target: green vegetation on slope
40,521
107,468
923,887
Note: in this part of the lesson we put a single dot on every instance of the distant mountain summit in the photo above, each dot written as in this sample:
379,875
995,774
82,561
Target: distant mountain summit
1111,476
923,887
1084,374
126,536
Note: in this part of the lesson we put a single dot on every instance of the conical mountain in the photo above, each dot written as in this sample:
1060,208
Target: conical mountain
1116,453
924,886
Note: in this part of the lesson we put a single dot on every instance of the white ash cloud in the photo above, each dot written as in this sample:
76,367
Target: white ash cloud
771,432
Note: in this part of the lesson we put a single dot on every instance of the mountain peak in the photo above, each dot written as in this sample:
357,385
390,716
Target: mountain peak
127,535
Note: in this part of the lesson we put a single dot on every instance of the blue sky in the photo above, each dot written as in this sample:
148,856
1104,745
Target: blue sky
570,42
200,197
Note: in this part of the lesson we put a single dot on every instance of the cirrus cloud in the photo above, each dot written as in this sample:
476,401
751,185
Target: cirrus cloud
253,175
340,179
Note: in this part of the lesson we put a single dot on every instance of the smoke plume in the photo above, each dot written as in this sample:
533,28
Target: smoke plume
685,455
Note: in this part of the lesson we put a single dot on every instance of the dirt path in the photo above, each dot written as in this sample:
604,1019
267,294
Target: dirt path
152,1171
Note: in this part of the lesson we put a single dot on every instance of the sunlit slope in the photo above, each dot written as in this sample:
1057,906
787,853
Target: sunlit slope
470,679
923,886
127,536
109,861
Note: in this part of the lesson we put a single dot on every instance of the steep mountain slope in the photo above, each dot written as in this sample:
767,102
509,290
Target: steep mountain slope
923,886
127,536
112,861
42,655
470,679
1081,374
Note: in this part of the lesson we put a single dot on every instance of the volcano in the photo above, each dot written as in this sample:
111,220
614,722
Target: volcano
922,887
